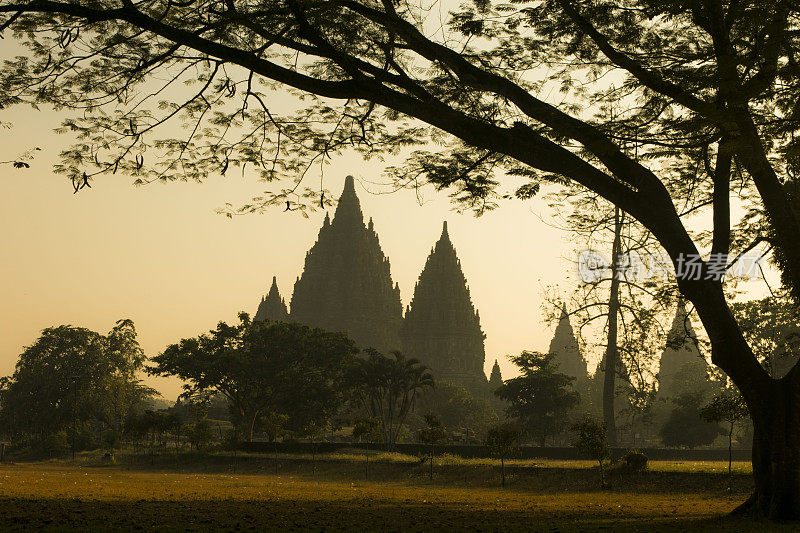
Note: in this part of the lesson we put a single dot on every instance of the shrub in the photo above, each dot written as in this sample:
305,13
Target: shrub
634,461
592,441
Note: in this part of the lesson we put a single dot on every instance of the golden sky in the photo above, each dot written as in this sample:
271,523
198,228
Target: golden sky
160,255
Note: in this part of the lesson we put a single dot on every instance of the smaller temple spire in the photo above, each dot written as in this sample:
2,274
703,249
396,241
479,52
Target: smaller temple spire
564,346
495,378
273,307
444,231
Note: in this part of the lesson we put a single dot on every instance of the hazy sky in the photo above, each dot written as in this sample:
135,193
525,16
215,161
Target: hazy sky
161,256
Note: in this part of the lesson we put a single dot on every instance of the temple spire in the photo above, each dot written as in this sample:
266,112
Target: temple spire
564,346
441,326
346,284
682,368
273,307
495,378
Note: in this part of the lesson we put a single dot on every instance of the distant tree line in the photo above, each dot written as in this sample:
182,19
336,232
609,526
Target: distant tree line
76,388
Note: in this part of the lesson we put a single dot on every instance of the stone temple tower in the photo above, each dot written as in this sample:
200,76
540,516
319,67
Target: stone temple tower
272,307
682,368
346,284
564,347
441,327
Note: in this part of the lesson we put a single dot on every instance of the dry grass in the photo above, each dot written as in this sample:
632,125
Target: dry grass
221,492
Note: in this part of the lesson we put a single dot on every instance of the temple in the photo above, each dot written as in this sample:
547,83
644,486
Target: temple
346,284
441,327
682,368
564,347
272,307
495,378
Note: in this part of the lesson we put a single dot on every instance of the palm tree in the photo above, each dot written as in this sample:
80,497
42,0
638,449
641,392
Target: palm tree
388,388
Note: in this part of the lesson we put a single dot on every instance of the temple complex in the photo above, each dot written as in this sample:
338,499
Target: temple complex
441,327
346,285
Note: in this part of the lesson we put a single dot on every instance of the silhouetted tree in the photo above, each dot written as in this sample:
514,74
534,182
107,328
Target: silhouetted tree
685,426
73,377
540,397
502,439
457,408
592,440
432,434
728,406
387,387
264,367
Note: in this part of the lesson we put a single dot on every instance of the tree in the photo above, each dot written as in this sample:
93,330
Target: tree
685,426
387,387
367,430
770,326
431,434
540,397
263,367
592,440
711,89
72,378
616,287
501,439
729,407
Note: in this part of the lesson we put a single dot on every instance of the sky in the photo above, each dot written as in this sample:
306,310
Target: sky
161,255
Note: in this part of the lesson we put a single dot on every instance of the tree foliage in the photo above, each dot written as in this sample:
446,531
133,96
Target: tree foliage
73,376
685,427
265,367
772,327
540,397
592,441
387,388
495,100
457,408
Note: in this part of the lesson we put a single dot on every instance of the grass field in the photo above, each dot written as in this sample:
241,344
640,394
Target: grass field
343,492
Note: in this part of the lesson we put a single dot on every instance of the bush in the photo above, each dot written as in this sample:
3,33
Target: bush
592,441
634,461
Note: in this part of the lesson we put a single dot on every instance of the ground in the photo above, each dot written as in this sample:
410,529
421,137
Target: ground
344,492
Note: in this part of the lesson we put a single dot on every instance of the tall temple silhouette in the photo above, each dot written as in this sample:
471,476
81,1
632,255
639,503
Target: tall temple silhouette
346,285
441,327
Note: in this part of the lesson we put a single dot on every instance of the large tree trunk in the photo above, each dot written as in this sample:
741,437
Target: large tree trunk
776,455
774,406
612,350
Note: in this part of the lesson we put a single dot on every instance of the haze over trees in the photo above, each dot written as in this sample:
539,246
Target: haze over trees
710,88
387,388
